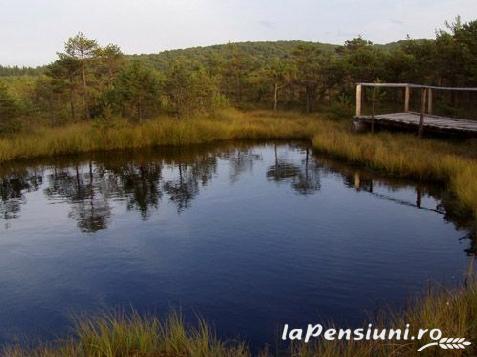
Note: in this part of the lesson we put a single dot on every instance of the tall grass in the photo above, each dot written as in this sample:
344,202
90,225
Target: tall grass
454,164
117,335
453,312
86,137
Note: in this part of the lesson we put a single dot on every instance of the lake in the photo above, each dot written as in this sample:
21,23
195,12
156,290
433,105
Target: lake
247,235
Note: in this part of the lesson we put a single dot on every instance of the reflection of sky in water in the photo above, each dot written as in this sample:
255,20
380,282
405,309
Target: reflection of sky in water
249,237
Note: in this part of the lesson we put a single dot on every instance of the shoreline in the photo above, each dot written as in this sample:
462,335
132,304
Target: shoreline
395,154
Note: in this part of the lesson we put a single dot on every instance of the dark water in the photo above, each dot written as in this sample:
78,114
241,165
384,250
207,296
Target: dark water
249,236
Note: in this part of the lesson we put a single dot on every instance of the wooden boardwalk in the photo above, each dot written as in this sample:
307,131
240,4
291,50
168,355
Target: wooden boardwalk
431,123
421,122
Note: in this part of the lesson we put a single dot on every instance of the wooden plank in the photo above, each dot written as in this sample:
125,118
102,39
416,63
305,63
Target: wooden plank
429,121
411,85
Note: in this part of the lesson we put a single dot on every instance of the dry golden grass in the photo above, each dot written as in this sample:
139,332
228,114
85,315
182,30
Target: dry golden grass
402,155
86,137
119,335
453,312
115,335
454,164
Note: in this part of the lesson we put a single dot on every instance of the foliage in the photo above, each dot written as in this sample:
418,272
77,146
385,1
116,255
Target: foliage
189,89
9,111
135,91
87,78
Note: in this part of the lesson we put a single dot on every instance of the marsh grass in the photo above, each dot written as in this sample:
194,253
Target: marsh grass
120,334
453,312
120,135
453,163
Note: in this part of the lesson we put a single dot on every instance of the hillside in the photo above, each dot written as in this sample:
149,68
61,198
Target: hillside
261,51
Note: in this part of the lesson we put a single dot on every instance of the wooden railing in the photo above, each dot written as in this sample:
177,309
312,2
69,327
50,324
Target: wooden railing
426,100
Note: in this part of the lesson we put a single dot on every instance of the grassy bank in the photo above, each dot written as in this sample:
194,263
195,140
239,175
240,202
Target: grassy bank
119,135
452,163
403,155
455,313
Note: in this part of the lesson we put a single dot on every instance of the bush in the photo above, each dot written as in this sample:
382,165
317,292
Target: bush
9,112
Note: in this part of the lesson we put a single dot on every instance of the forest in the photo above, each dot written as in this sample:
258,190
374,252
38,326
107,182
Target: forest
90,81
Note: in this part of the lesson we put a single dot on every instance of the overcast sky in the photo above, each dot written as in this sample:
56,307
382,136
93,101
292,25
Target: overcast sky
32,31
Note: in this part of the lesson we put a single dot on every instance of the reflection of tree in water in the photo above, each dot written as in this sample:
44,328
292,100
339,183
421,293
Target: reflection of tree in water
304,178
185,186
240,161
12,189
138,183
87,197
308,179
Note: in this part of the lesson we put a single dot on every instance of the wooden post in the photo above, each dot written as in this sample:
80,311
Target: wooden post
374,110
357,181
423,111
429,101
407,95
358,100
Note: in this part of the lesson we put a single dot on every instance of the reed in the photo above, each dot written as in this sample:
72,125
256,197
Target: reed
119,334
402,155
451,163
119,135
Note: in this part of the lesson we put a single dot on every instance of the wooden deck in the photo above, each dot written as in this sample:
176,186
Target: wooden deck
431,123
423,122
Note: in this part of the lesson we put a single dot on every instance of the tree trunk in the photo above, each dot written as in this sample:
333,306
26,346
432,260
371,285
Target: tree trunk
275,97
139,111
83,75
72,105
309,100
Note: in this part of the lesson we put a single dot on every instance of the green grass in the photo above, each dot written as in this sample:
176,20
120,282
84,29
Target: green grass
455,313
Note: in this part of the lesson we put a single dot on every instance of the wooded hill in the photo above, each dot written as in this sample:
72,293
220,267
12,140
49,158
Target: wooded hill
92,81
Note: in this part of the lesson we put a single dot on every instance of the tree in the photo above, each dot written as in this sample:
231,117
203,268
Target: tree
9,111
84,50
307,61
111,59
235,70
363,61
280,73
189,89
64,80
136,88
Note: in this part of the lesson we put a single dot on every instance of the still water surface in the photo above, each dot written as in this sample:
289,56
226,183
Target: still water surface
249,236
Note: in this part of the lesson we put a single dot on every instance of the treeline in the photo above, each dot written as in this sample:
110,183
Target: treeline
8,71
90,81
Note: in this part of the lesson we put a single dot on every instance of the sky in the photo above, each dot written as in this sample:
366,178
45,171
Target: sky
32,31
